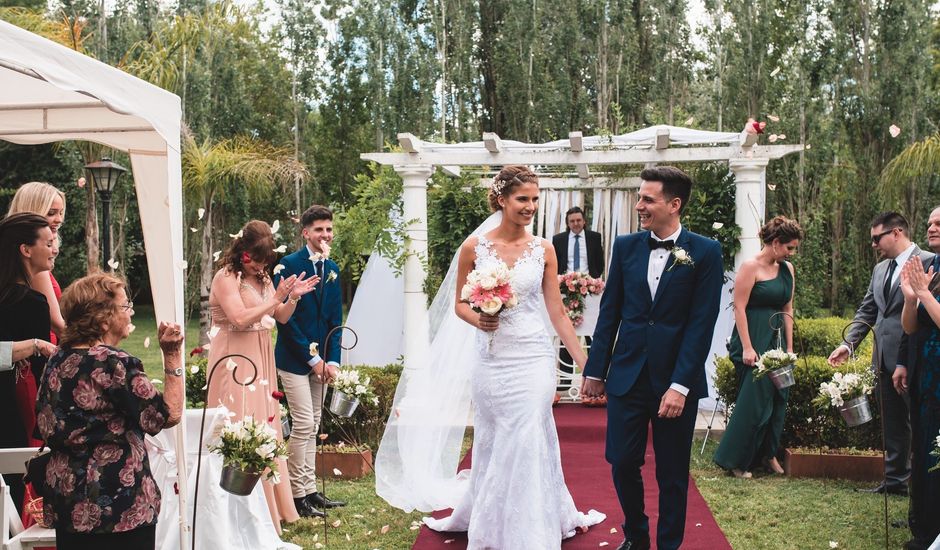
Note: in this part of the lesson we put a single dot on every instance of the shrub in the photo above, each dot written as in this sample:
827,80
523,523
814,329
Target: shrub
367,424
807,425
196,381
821,336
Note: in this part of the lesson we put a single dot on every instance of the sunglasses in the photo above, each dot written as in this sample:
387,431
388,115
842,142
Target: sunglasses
875,239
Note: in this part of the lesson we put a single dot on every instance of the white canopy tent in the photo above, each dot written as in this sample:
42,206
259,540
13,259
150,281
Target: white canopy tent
578,155
52,93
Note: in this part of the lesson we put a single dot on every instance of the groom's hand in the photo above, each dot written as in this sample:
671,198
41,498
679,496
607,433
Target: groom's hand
671,404
592,388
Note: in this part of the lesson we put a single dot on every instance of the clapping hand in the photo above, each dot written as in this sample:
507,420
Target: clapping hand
914,281
171,337
303,286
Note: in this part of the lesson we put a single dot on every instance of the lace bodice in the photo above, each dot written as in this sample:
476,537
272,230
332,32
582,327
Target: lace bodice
526,280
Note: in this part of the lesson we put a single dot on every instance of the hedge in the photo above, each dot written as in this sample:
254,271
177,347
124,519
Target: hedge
806,425
820,336
367,424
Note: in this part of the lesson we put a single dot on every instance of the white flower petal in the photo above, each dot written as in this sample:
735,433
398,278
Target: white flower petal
337,472
213,331
215,255
156,381
775,72
773,118
131,328
113,264
230,365
238,235
193,229
281,249
201,212
278,268
894,131
717,225
147,342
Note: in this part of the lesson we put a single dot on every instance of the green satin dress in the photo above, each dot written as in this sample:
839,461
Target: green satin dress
753,432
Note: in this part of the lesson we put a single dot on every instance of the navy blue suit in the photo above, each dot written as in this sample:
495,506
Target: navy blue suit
641,346
317,313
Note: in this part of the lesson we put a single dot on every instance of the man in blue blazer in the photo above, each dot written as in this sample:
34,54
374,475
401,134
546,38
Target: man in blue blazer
304,373
652,338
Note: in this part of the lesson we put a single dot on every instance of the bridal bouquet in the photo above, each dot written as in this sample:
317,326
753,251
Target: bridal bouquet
488,290
772,360
845,387
349,382
250,446
575,286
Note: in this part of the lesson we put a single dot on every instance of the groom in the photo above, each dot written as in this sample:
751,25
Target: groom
650,345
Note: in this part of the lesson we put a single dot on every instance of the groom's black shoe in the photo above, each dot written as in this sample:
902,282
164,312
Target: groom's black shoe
306,510
630,544
319,500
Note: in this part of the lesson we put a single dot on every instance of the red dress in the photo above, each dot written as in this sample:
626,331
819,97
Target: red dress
57,290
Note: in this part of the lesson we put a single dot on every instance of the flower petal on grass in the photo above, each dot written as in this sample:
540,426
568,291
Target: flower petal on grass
384,529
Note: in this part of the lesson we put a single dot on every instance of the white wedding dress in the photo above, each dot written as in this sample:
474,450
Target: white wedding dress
516,495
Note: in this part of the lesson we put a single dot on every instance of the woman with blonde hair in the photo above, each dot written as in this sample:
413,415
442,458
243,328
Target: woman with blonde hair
46,200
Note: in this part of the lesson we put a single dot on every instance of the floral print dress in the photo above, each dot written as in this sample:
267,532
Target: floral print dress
93,410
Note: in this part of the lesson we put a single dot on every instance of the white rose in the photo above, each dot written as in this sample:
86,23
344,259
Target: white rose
681,255
513,301
492,307
488,282
266,450
466,292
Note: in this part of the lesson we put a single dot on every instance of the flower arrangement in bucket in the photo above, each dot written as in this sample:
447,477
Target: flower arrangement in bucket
249,450
849,393
935,452
575,286
777,365
349,388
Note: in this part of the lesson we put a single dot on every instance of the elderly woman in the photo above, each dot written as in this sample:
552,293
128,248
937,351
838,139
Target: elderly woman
95,405
48,201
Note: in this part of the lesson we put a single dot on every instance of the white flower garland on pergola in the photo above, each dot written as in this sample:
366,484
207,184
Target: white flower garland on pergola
649,146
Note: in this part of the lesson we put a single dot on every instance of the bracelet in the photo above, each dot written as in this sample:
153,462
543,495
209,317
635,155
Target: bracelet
35,346
293,301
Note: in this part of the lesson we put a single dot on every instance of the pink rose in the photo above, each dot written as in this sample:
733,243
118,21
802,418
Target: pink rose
87,396
92,474
126,475
69,367
151,420
107,453
142,387
86,516
116,425
53,380
46,421
133,517
584,290
119,374
77,437
101,378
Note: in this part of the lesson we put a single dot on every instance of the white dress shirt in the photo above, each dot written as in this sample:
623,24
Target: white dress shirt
658,260
582,249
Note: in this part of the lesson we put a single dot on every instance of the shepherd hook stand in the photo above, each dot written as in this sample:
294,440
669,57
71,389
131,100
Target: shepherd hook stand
202,424
881,411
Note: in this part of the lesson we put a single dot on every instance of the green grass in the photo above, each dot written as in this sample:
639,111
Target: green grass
776,512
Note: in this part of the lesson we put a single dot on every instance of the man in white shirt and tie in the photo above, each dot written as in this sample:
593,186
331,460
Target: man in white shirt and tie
577,248
881,308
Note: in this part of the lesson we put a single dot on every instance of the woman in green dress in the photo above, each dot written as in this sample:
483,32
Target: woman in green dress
763,287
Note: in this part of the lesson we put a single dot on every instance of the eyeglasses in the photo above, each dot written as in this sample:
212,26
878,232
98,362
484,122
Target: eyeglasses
875,239
128,306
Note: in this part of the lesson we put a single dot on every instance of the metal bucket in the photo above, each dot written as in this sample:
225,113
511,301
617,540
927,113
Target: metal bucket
238,482
782,377
342,404
856,411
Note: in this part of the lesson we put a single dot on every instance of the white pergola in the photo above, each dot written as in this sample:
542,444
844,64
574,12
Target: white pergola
577,154
52,93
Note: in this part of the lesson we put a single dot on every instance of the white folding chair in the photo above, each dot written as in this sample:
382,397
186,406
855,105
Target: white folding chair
12,534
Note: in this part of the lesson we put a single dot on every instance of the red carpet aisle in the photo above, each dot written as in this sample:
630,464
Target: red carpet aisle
581,433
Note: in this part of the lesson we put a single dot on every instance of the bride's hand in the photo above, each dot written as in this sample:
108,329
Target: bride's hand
488,323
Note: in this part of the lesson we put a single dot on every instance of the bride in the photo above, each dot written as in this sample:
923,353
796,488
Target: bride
514,495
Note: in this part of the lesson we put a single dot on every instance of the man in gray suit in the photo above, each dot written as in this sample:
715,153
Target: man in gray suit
881,308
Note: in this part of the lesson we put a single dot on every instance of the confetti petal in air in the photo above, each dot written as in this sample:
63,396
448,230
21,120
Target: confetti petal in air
276,226
156,381
183,264
278,268
213,331
194,369
772,138
147,342
604,543
251,387
894,131
281,249
131,328
781,136
81,183
237,235
200,213
771,186
773,118
113,264
215,255
717,225
689,121
337,472
193,229
775,72
230,365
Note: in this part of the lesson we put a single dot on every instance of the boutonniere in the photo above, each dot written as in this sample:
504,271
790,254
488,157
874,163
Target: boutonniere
331,277
680,256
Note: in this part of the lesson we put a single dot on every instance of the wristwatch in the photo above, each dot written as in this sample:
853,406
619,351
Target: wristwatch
178,371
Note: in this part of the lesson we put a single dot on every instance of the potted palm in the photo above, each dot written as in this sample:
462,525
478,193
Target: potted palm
249,450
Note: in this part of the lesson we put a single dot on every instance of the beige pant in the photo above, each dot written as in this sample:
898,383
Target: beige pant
305,399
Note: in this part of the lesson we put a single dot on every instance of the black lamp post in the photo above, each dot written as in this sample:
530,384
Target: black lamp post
105,175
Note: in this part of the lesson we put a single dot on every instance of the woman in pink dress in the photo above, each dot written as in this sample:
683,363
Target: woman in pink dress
244,305
46,200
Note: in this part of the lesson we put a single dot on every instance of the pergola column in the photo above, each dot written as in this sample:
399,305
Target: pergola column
415,211
749,199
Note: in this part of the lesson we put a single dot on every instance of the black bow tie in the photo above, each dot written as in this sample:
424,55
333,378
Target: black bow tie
654,244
